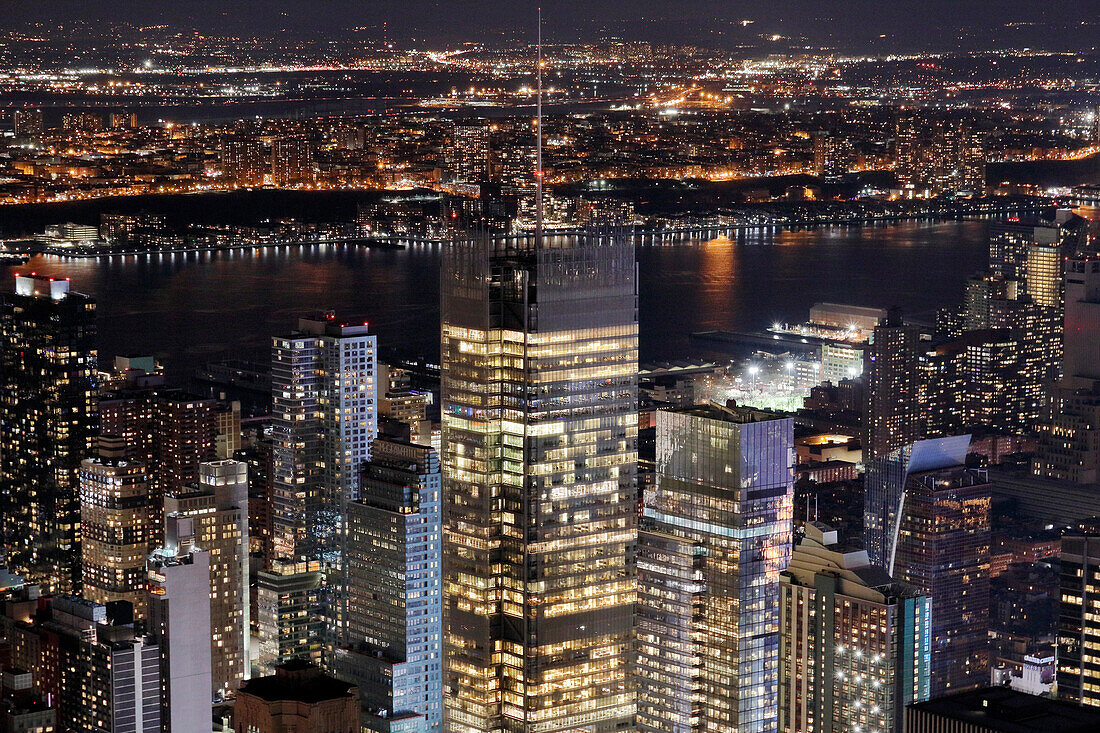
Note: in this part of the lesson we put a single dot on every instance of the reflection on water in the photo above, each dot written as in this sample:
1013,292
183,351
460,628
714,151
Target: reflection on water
192,308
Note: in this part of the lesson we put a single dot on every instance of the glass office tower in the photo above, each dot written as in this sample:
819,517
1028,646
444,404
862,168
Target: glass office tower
716,535
539,393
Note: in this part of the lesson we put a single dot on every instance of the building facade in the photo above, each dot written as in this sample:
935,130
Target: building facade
716,535
854,643
943,541
1078,624
180,622
539,410
48,417
114,522
298,697
891,378
393,650
213,516
325,416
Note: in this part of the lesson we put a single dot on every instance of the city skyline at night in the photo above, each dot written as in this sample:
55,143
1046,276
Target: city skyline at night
485,367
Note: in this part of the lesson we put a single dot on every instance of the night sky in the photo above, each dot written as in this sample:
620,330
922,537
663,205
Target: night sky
843,24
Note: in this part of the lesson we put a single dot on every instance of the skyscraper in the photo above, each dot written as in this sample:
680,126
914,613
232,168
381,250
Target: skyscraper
854,643
1069,442
1078,627
324,395
48,420
718,529
393,650
213,517
27,122
114,523
539,391
891,376
927,522
179,620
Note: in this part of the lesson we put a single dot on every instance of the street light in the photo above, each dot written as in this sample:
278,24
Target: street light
753,371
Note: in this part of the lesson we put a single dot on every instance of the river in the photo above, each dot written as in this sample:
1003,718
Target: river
188,309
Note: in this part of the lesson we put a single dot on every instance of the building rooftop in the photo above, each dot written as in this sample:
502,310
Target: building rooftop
731,413
1008,711
299,681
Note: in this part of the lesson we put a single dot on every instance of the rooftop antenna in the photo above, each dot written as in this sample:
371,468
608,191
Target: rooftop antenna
538,142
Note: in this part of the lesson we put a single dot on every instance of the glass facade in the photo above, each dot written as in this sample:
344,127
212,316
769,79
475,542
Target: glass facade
394,588
539,412
717,533
943,549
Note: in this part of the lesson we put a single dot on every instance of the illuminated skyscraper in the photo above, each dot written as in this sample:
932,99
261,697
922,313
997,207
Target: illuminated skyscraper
324,395
393,650
27,122
937,155
539,392
114,523
213,516
891,376
48,421
1078,624
243,160
1069,441
854,643
927,522
716,534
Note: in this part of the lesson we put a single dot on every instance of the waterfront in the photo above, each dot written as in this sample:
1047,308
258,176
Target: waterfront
192,308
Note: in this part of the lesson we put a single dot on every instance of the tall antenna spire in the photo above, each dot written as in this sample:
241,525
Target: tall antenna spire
538,142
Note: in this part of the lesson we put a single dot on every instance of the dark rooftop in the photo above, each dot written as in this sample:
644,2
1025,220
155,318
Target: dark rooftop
299,681
1008,711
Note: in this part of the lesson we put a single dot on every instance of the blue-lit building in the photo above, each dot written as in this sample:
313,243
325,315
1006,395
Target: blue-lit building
324,416
393,649
715,536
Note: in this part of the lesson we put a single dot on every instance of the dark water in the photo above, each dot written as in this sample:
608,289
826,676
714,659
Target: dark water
188,309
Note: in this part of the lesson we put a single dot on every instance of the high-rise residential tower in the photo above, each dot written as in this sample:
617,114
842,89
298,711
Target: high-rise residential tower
114,522
1078,624
213,516
466,153
539,392
291,161
891,377
324,405
1069,442
854,643
934,513
715,536
392,649
48,420
179,621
